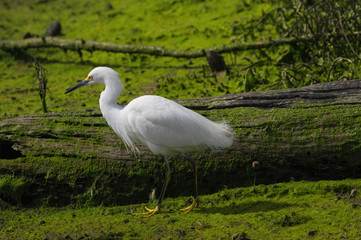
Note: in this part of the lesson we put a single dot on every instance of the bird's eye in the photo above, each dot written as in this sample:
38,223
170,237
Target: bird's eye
89,78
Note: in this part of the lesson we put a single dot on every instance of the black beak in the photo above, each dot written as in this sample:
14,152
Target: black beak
80,84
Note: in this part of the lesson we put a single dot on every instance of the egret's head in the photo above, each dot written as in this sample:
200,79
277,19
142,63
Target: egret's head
96,76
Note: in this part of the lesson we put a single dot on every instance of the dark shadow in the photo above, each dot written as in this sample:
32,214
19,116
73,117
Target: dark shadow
7,150
248,207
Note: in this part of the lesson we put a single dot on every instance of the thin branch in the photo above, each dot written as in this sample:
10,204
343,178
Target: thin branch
89,45
76,45
345,36
40,74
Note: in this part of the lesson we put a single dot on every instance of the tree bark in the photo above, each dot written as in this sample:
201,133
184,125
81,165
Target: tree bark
342,92
308,133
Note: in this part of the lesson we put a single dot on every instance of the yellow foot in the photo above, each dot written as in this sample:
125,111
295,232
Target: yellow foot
194,204
150,212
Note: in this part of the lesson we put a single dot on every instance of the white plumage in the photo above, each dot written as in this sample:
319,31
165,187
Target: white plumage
167,127
164,126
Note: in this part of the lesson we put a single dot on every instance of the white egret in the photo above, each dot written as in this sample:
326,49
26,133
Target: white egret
164,126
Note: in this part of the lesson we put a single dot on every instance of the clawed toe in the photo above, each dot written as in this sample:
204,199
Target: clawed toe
194,204
149,213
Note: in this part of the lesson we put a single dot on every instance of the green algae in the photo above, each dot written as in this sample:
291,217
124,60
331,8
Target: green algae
73,178
174,24
12,188
294,210
141,74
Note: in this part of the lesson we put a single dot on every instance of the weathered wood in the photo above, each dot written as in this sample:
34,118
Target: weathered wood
89,45
344,92
306,133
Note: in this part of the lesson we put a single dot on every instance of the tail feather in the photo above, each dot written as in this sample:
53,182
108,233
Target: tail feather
222,136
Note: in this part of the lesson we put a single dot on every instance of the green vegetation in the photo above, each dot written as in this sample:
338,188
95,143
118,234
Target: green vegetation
295,210
59,191
178,25
170,24
13,188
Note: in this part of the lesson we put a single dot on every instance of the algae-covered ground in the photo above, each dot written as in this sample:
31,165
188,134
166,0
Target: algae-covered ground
293,210
171,24
190,24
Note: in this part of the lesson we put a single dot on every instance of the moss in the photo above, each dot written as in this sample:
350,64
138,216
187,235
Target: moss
181,25
288,143
57,170
317,210
12,189
141,74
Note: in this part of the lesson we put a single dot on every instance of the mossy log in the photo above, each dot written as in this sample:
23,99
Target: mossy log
307,133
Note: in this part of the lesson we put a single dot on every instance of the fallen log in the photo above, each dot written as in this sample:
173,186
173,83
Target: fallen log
307,133
91,45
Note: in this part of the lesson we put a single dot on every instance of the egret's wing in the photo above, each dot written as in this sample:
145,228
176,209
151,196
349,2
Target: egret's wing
162,122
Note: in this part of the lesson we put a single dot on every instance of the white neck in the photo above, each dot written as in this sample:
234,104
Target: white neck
108,98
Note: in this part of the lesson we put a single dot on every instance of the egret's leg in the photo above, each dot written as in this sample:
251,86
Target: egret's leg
151,212
166,181
196,200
